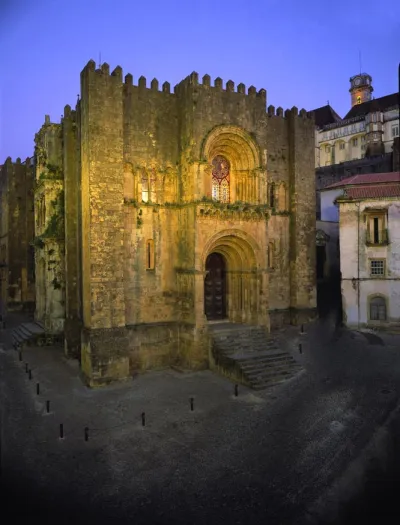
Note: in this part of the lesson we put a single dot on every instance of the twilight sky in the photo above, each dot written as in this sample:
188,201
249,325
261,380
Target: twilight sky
302,52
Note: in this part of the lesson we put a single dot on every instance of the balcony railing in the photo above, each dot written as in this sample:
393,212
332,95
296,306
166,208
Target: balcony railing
377,237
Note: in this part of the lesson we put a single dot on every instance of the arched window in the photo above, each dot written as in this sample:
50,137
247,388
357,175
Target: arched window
220,179
150,254
377,309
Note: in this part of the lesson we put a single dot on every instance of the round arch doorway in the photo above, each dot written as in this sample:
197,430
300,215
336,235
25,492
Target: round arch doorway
215,287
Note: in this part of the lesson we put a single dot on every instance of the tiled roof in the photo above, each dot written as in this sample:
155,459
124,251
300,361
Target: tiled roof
325,115
381,103
372,192
367,178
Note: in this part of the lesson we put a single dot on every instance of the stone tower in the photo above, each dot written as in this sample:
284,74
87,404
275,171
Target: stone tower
360,88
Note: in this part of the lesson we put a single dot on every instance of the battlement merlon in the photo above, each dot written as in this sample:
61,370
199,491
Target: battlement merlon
69,114
289,112
191,80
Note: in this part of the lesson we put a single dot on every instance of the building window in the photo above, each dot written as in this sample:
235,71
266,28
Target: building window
342,145
376,228
145,186
374,117
395,130
377,309
355,142
363,147
363,139
375,136
150,254
220,179
327,149
271,196
377,267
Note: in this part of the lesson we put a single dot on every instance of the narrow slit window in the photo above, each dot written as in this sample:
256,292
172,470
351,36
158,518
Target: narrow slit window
150,254
272,195
145,187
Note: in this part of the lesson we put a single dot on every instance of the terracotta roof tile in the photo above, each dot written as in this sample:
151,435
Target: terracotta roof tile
367,178
373,192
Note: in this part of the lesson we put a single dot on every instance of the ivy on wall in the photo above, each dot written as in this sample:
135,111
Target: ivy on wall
55,226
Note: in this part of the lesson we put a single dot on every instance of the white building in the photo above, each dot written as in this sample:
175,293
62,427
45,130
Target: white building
367,129
369,234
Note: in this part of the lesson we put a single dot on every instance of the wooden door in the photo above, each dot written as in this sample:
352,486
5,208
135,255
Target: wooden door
215,287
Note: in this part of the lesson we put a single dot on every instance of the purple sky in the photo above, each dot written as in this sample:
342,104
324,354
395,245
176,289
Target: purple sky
302,56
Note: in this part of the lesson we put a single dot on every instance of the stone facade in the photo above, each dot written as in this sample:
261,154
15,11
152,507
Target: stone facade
144,208
49,228
16,236
369,231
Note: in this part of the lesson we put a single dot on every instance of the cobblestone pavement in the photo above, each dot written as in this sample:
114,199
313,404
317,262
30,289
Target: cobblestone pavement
266,457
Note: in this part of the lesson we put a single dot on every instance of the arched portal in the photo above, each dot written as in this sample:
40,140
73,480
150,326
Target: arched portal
234,284
215,287
234,158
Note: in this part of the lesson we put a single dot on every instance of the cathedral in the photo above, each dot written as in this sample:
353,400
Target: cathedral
159,213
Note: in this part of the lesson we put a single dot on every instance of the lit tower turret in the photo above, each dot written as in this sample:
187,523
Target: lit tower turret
360,88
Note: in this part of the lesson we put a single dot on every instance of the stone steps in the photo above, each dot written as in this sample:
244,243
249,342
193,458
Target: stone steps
31,333
248,355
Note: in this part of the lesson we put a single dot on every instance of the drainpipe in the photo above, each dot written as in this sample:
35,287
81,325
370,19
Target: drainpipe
358,263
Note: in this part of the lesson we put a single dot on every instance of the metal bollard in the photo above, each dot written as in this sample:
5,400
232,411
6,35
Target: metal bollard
191,404
302,329
26,367
300,349
143,419
236,390
30,374
47,406
61,431
20,355
37,388
86,433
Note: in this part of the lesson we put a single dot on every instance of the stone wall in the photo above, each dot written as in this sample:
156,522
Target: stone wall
73,317
49,228
17,181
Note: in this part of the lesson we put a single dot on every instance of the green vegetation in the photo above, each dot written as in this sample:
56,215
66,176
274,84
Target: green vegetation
55,226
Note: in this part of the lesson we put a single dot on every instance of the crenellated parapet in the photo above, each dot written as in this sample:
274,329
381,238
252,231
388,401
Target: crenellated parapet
293,112
218,86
